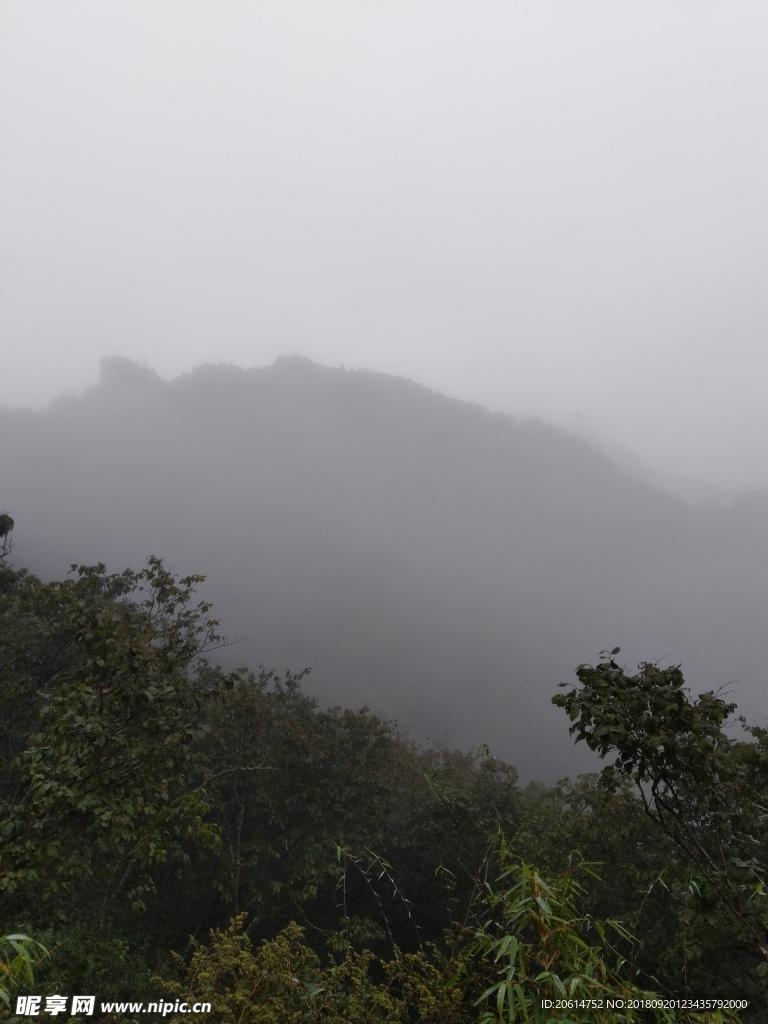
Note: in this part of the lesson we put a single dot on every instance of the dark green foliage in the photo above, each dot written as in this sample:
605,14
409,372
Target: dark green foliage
704,790
146,797
335,817
105,782
6,529
289,783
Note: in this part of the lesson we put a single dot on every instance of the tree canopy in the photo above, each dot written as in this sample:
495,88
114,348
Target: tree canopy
168,826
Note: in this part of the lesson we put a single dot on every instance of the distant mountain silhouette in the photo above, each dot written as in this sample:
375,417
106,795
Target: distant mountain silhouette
433,560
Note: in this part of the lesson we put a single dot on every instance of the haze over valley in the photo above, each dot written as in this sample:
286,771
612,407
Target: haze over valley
426,557
535,236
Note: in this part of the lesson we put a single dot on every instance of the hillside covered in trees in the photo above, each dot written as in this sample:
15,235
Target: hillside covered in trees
437,562
169,829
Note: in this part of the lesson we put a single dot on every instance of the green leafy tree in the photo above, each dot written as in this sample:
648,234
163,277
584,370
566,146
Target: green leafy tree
312,804
105,689
6,529
705,790
290,784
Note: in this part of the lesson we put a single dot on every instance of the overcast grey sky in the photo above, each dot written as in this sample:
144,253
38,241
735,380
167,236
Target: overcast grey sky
549,208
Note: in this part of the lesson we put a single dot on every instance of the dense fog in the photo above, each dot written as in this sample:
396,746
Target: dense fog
425,557
534,235
553,210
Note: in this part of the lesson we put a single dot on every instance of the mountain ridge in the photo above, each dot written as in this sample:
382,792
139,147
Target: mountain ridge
427,557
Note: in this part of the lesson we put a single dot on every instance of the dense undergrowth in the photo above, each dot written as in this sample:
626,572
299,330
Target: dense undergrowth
169,831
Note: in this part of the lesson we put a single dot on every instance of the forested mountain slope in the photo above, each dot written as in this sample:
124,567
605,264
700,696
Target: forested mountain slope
426,557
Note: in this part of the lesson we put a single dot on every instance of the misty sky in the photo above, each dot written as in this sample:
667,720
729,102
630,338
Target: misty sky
549,208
